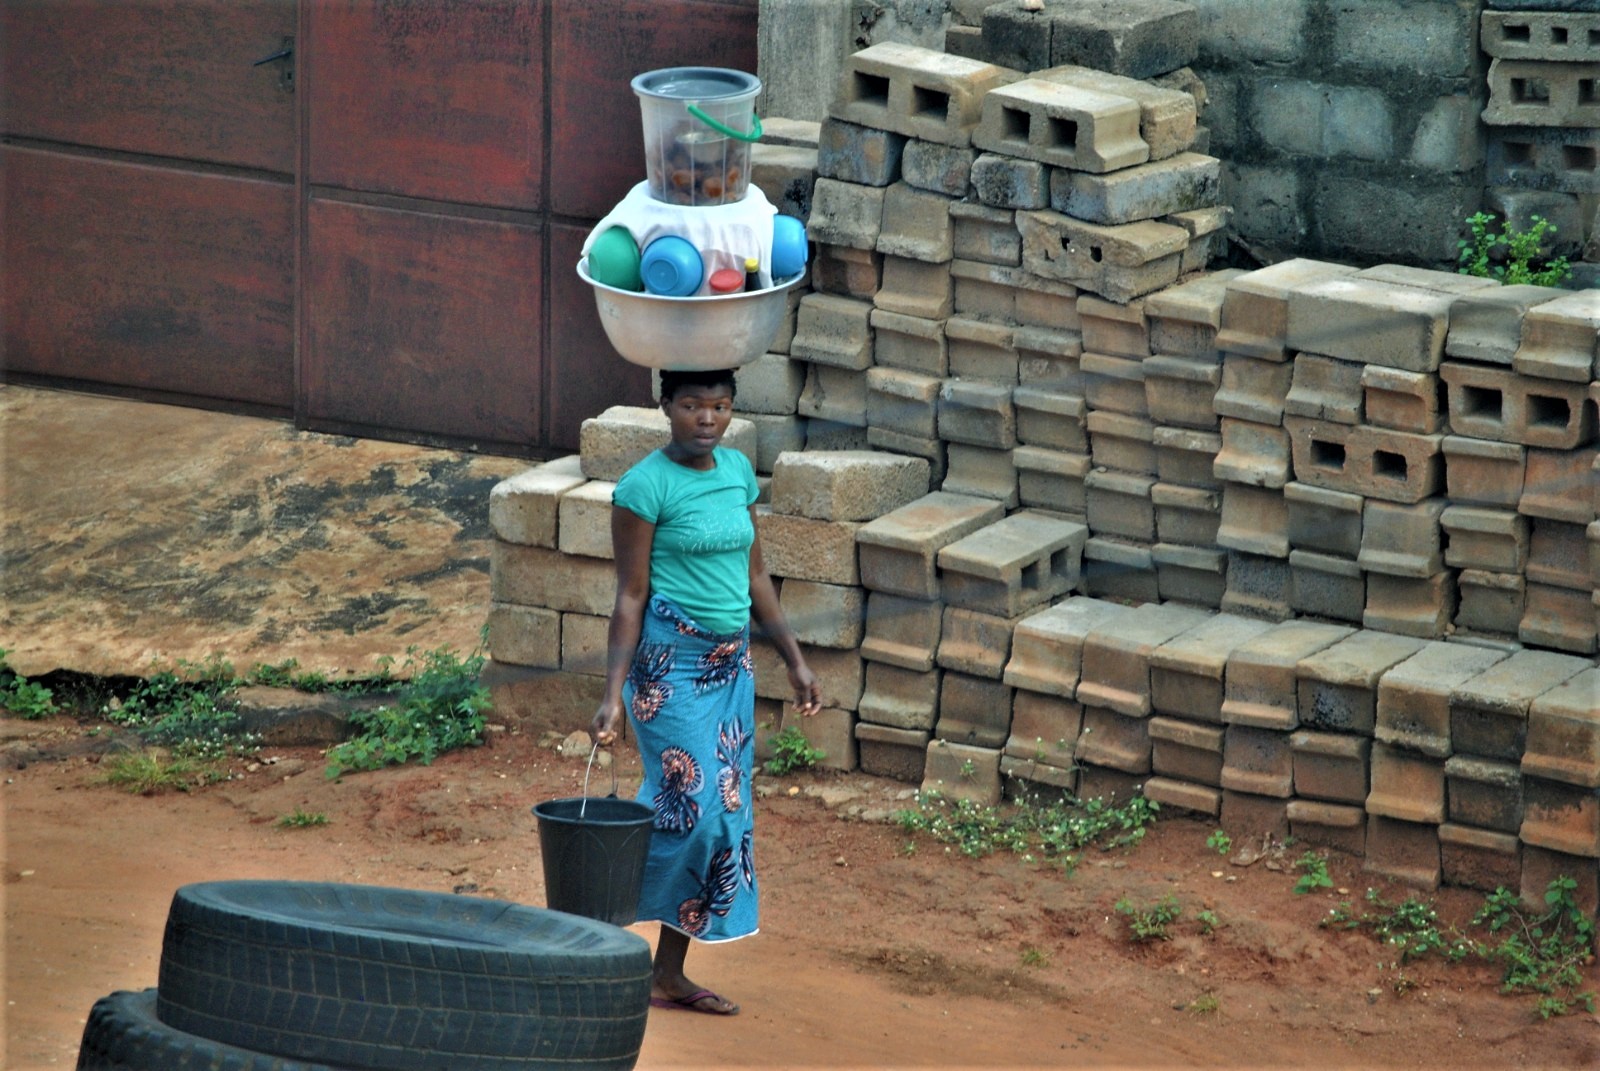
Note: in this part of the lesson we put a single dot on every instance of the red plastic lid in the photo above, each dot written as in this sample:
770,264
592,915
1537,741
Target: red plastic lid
727,281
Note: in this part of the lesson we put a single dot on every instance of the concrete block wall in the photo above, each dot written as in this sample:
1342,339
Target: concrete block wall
1364,130
1309,549
1351,128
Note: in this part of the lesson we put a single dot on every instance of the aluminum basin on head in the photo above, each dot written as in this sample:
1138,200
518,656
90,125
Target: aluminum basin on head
685,334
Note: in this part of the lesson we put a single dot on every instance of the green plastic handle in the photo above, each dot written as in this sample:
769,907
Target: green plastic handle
754,135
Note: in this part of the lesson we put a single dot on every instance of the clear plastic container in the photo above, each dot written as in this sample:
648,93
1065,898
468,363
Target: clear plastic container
699,123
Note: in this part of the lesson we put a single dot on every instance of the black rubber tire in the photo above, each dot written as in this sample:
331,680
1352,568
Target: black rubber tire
383,979
123,1034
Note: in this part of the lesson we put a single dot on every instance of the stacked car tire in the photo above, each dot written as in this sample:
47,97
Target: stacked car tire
297,976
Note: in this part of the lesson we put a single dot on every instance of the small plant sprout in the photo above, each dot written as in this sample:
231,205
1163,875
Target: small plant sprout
1205,1004
1207,921
299,819
1313,874
1220,842
1149,922
1033,957
791,751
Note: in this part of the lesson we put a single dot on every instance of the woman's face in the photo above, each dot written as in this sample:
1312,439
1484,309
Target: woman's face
699,417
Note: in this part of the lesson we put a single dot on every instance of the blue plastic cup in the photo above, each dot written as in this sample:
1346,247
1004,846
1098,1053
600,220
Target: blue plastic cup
671,267
790,251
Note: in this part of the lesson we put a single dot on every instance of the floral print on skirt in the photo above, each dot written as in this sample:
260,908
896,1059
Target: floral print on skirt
690,695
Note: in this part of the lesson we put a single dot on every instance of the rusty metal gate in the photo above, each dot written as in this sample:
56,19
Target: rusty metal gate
359,214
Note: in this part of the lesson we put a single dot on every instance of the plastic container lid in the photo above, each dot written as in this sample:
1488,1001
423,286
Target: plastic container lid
696,83
726,281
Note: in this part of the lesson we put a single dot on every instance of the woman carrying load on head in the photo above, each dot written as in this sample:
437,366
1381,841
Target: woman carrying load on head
690,580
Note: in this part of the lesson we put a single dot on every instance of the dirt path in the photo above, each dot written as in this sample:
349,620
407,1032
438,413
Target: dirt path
868,957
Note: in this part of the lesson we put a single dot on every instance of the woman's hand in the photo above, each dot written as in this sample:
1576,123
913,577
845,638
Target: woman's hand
807,693
607,722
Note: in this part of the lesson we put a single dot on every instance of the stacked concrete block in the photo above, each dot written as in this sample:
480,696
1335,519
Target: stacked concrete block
1136,38
904,625
1520,469
610,444
1561,768
1115,689
1543,156
524,516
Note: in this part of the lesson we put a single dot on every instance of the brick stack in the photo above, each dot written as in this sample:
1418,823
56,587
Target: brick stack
817,505
1520,465
1544,121
1368,428
1207,540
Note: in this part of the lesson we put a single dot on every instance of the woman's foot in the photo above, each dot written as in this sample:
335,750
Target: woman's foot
681,993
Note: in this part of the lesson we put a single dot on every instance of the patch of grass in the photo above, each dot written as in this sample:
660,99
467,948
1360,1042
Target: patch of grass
1313,874
791,751
298,819
1205,1004
288,674
438,707
1033,957
1220,842
21,697
1151,921
1541,953
155,770
187,709
1058,830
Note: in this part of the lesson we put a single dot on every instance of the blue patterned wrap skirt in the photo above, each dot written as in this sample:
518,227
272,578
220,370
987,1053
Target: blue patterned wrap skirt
690,694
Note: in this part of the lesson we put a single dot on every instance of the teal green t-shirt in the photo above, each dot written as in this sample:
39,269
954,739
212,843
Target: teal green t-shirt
700,558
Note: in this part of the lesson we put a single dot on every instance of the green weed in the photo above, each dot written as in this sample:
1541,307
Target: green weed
791,751
26,699
187,709
438,707
1150,922
1313,874
1033,957
1522,261
1057,830
299,819
1205,1004
1543,953
1220,842
1207,921
288,674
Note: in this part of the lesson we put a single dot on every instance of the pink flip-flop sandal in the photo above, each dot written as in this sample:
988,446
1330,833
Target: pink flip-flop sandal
692,1003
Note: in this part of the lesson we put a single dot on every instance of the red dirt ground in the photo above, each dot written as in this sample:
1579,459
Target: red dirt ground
869,956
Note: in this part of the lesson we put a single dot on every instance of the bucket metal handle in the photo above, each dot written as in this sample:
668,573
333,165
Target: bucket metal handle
584,806
723,128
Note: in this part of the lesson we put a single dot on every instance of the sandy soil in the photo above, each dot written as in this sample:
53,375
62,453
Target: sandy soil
869,956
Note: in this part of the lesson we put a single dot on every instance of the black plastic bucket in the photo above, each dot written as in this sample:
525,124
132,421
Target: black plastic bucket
594,850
